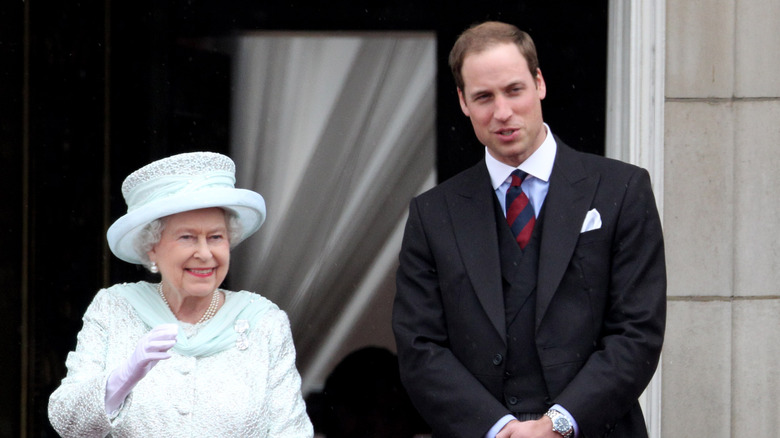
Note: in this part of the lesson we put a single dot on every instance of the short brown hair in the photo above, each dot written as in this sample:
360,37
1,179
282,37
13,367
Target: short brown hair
482,36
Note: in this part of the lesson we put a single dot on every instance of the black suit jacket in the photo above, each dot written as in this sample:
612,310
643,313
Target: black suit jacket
600,305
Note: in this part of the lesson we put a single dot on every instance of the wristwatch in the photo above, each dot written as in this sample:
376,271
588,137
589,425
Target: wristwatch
561,423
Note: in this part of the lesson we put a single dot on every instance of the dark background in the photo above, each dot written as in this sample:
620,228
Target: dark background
91,90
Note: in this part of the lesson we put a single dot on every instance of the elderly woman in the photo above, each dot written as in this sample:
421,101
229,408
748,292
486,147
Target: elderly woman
182,357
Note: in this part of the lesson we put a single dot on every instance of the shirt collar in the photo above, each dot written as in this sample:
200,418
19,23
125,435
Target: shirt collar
539,164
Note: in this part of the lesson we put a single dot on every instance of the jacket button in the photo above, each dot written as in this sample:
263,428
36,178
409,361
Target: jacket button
497,359
512,400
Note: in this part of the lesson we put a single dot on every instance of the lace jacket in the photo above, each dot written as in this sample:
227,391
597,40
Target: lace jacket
247,390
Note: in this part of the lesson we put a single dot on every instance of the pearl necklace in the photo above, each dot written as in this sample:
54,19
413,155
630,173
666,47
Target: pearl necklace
210,312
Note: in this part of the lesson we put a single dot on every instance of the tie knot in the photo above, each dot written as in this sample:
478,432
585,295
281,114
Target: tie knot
517,177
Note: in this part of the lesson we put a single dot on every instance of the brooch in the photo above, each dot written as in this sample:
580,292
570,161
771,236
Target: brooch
242,341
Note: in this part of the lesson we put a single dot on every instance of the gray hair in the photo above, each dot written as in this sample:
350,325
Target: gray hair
150,235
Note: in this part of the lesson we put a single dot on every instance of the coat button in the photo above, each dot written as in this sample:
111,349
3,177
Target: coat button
512,400
497,359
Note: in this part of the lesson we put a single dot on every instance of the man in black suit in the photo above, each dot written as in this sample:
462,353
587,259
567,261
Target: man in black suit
548,327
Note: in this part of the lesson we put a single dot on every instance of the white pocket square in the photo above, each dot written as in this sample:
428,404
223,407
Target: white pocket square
592,221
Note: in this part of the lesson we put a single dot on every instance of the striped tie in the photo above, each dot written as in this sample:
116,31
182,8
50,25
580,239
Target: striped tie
519,212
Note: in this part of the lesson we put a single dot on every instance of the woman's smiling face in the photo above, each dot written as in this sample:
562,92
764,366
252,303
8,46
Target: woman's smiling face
193,254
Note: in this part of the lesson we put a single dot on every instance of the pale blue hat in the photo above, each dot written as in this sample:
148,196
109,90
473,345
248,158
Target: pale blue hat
181,183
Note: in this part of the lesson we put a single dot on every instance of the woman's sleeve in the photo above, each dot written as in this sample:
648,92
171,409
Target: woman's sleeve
77,407
287,408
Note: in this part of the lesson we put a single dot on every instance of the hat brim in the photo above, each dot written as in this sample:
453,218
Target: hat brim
249,207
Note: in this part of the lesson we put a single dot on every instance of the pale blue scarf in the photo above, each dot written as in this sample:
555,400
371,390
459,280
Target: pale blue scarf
214,336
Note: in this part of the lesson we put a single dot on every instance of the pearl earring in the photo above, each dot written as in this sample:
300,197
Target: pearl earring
153,268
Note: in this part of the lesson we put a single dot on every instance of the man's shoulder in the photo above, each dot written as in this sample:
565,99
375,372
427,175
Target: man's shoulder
464,180
600,163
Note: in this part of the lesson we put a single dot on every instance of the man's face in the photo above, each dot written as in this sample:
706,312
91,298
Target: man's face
504,102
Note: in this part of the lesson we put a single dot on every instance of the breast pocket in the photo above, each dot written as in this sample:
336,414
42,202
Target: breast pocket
588,237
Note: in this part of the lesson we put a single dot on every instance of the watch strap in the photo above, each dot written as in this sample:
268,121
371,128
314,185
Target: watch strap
561,423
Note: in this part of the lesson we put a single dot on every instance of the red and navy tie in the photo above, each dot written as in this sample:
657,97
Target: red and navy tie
519,211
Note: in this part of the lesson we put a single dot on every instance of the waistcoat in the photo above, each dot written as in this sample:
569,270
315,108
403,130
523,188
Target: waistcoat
525,390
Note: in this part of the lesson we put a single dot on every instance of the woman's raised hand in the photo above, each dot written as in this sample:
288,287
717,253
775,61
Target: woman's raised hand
152,348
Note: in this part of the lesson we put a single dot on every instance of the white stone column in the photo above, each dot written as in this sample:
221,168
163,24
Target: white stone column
635,115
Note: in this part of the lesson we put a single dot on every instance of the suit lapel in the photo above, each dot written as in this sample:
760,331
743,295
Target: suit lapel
568,199
471,210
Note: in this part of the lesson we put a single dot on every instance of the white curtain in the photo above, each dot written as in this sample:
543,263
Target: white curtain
337,132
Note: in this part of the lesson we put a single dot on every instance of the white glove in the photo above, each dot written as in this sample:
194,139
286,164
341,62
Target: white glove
153,347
